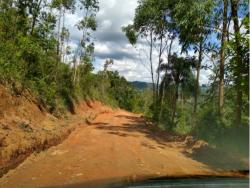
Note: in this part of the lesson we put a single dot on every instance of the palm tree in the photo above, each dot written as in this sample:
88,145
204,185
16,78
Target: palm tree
178,71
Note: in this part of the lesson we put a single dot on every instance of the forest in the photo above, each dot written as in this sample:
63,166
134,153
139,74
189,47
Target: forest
213,35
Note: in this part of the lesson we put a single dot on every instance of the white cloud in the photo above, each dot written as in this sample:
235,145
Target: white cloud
110,42
108,4
106,24
101,48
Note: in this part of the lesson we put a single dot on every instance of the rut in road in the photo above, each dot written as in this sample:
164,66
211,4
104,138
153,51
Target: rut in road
116,145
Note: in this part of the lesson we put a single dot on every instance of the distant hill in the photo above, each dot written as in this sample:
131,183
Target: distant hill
141,85
204,88
144,85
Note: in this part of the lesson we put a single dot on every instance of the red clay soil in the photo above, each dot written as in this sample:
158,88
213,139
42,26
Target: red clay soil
26,128
116,146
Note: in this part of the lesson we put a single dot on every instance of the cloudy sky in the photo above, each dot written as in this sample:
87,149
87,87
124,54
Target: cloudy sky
110,42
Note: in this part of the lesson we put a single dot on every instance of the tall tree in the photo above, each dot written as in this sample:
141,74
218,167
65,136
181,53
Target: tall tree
87,25
193,21
239,60
143,27
61,6
177,72
198,69
222,58
152,23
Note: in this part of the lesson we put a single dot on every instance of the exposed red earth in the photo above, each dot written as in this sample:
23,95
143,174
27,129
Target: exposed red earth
105,146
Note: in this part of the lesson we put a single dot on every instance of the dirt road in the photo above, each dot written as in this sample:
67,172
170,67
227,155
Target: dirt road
115,146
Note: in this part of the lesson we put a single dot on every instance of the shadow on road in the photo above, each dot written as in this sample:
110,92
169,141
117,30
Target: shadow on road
134,126
220,160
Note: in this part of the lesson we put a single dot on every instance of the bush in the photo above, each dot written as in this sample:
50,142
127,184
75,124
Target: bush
208,125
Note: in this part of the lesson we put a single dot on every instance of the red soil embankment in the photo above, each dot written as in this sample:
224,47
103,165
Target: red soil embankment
26,128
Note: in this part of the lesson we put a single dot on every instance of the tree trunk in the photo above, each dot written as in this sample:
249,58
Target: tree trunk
62,36
197,84
182,100
34,19
175,102
59,31
170,49
234,7
152,74
159,64
151,62
222,61
162,96
58,43
75,69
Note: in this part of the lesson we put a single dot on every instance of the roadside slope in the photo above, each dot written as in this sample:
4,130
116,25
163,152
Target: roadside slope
25,127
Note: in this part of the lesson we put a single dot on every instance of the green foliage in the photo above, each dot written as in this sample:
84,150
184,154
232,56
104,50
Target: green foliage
68,4
88,22
177,73
130,34
222,134
117,91
208,122
233,67
185,122
28,53
192,20
46,93
150,15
